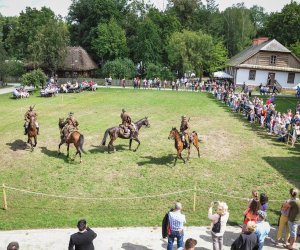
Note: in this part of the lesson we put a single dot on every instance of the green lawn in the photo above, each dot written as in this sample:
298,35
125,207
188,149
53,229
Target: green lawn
235,158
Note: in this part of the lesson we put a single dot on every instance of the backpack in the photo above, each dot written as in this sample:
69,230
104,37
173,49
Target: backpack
217,226
165,226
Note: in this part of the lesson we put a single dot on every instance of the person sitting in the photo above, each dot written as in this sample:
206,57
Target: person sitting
30,113
70,127
184,130
127,123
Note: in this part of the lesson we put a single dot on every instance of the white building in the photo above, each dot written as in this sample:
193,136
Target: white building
265,62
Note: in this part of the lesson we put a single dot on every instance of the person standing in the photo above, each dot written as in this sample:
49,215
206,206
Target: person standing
294,220
219,220
262,228
176,220
83,239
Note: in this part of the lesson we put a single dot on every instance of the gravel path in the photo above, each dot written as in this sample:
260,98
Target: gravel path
132,238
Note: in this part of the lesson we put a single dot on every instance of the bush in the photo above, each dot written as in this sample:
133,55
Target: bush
36,78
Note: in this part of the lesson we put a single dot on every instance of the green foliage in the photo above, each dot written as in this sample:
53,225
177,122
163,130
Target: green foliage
24,32
119,68
147,44
238,27
49,47
14,68
258,17
284,25
295,48
36,78
195,51
110,41
153,70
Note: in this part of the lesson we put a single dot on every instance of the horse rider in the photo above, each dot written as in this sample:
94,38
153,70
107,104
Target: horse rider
184,130
70,127
30,113
127,123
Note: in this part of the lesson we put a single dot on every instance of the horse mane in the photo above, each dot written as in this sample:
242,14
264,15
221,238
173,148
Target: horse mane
145,118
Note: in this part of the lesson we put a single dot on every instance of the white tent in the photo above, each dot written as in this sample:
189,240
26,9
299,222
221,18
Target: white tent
222,75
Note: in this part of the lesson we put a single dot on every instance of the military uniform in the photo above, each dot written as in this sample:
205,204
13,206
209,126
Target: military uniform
184,129
127,123
70,127
30,113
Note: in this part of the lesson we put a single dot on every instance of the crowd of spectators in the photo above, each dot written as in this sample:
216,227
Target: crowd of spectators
20,93
283,125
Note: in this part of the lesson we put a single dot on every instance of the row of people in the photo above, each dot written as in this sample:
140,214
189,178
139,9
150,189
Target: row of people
20,93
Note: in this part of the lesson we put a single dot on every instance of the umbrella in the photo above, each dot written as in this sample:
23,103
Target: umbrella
222,75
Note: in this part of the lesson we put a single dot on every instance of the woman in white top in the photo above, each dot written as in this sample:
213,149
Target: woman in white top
218,223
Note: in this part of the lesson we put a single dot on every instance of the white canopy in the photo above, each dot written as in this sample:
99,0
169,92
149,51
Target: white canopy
222,75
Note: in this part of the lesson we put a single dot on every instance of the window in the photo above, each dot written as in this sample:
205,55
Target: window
273,59
252,74
291,78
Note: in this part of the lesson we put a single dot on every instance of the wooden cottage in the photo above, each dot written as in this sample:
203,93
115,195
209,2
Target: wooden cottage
265,62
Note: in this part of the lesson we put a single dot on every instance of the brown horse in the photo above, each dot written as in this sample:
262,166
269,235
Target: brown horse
75,137
32,133
180,146
118,132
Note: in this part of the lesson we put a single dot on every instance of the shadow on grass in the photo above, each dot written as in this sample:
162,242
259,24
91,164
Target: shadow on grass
164,160
54,154
104,149
130,246
287,167
17,145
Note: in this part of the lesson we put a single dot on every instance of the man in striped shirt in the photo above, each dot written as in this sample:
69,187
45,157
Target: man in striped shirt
176,221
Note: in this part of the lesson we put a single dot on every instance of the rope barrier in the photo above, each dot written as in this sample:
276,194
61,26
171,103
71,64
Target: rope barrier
97,198
128,198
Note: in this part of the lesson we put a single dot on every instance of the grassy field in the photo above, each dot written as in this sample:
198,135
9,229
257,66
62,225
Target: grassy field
235,158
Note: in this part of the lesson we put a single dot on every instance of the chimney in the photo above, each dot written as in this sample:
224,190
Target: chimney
260,40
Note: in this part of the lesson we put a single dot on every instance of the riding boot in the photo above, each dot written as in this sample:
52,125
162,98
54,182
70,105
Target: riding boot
131,135
25,133
38,130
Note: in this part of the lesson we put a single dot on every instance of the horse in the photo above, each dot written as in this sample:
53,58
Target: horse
180,146
117,132
75,137
32,133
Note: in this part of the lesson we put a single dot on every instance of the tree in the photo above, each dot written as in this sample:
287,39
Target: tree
110,41
295,48
49,47
147,43
36,78
3,68
238,28
119,68
219,57
258,17
191,51
24,32
284,25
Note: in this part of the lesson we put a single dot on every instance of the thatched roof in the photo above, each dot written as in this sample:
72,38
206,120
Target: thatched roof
78,59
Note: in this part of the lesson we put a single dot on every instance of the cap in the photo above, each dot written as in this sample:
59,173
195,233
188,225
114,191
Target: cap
183,116
262,214
30,107
71,113
123,110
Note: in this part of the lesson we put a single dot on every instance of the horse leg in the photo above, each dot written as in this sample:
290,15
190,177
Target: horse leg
189,152
61,143
35,141
175,160
68,147
138,141
130,143
197,147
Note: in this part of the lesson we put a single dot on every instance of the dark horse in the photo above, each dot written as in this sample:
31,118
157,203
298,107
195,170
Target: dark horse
180,146
32,133
116,132
75,137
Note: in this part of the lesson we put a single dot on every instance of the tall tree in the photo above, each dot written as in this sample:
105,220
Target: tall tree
147,44
285,25
193,51
110,41
25,31
258,17
238,28
49,47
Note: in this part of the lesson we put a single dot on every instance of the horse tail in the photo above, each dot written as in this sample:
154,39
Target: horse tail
104,137
81,141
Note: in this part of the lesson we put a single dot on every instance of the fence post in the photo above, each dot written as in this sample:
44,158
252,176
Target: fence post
4,197
195,195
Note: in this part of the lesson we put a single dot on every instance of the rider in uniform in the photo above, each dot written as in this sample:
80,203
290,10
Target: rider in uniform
184,130
30,113
71,126
127,123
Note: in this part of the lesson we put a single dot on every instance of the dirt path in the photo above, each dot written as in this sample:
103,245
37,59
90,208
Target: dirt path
132,238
